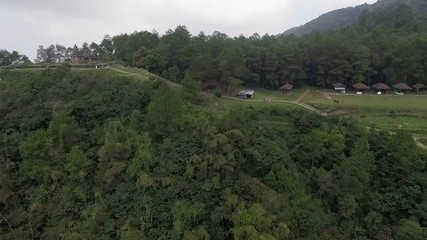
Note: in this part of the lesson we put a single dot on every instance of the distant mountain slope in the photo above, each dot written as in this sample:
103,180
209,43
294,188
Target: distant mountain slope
342,18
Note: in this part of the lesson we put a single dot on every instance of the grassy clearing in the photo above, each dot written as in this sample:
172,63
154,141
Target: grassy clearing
277,95
106,73
389,112
412,124
370,101
140,74
423,141
132,70
255,103
264,113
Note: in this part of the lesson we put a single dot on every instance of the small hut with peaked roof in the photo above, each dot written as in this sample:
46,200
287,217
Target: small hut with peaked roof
339,87
286,88
381,88
360,87
246,93
401,87
420,88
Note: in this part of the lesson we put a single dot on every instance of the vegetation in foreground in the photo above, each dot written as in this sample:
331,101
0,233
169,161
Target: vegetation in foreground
96,155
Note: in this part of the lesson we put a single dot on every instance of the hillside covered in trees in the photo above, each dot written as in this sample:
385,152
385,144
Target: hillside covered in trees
97,155
342,18
94,154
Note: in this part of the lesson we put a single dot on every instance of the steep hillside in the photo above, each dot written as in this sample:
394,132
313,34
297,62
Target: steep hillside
103,154
345,17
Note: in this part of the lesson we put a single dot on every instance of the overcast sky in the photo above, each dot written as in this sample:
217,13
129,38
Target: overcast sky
26,24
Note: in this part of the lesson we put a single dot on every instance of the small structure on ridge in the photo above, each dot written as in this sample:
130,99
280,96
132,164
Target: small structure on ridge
420,88
246,93
401,87
286,88
381,88
339,87
360,87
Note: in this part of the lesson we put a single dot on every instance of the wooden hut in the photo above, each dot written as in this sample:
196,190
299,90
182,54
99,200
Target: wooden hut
339,87
246,93
381,88
360,87
420,88
401,87
286,88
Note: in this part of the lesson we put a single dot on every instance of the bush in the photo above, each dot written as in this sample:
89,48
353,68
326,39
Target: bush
218,93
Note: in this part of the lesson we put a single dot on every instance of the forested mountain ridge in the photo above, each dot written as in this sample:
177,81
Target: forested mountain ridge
342,18
96,155
385,45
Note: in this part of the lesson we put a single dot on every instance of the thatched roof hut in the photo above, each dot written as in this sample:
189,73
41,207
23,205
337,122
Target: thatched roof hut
401,87
286,88
360,87
381,87
419,87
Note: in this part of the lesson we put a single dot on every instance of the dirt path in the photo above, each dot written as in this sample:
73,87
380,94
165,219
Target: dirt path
300,98
327,96
125,72
416,138
300,104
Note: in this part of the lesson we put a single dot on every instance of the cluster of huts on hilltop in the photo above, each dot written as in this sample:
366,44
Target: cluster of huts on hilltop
381,88
360,88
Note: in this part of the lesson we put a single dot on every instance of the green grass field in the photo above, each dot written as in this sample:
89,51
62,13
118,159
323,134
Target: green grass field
131,70
389,112
254,102
412,124
277,95
423,141
388,102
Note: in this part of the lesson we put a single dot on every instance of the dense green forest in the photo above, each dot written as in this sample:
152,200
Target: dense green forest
342,18
96,155
12,58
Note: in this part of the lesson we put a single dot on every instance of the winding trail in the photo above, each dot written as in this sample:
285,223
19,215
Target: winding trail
300,98
419,144
125,72
297,102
